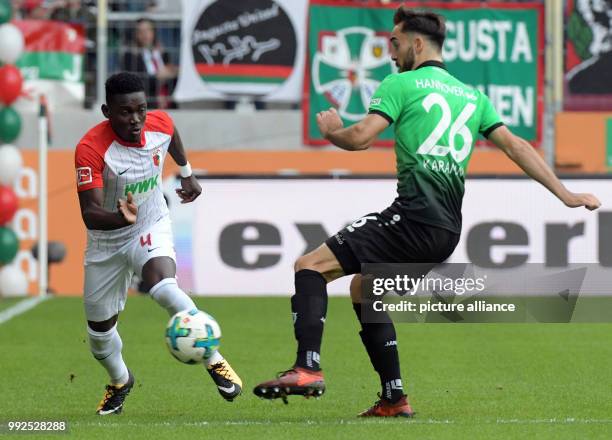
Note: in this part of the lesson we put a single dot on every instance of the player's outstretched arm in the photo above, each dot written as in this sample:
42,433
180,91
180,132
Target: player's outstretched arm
190,188
523,154
98,218
357,137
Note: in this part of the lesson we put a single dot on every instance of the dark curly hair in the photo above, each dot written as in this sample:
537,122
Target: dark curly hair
122,83
426,23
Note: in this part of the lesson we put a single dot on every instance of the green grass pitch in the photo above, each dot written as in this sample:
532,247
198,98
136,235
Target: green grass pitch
471,381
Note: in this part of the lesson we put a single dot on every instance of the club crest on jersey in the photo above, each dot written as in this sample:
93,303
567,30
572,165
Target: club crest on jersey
157,157
84,176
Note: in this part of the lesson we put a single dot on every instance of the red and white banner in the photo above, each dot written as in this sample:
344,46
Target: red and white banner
53,50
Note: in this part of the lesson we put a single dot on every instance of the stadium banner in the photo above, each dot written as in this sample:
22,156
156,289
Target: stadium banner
588,55
244,235
573,129
53,50
498,49
609,143
238,47
64,221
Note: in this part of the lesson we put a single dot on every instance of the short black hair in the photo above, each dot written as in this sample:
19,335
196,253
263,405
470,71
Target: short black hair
145,20
427,23
123,83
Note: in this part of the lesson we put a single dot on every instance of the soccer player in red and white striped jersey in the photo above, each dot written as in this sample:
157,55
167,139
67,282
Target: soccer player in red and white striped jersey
119,166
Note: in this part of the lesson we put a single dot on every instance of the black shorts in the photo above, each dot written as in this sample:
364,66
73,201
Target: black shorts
390,237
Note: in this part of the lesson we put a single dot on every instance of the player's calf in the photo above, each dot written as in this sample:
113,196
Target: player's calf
309,309
380,342
106,348
171,297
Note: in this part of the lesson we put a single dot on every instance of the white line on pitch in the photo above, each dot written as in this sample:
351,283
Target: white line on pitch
552,421
21,307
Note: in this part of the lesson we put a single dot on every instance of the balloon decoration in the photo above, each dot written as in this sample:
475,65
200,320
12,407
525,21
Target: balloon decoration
6,11
11,43
10,124
13,281
12,82
9,245
10,164
8,204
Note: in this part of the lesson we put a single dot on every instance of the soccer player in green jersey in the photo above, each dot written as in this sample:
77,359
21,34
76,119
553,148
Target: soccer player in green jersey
437,119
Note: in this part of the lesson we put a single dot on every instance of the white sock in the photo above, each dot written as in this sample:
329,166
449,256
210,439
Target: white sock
168,295
106,348
214,359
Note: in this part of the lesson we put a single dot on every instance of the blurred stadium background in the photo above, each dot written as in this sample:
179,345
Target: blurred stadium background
242,80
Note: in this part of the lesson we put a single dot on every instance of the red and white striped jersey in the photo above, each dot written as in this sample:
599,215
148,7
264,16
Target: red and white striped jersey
102,160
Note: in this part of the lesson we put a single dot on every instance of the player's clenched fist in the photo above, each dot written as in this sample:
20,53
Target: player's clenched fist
128,208
328,121
190,189
576,200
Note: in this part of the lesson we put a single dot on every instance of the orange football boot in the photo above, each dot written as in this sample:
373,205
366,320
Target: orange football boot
297,381
384,408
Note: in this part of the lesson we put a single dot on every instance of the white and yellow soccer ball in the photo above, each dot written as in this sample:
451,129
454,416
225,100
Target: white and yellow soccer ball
192,336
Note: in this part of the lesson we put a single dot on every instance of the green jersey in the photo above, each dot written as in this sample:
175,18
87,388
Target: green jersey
437,119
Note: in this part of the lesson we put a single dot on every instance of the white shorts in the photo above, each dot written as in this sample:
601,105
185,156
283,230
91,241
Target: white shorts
107,281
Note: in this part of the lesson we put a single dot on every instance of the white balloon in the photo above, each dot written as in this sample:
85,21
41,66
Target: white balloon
11,43
13,282
10,164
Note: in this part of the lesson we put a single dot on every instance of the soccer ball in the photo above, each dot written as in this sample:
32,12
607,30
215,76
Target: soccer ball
192,336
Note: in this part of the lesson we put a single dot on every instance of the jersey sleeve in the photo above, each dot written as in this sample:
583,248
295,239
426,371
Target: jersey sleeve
386,101
159,121
489,120
89,166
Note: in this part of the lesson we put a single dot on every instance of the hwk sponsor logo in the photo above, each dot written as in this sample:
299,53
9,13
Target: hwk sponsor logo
141,187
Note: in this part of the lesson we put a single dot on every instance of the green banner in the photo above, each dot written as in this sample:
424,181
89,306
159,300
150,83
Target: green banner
51,65
496,49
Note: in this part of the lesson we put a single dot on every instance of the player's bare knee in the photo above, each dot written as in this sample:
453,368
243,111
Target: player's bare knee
307,261
156,270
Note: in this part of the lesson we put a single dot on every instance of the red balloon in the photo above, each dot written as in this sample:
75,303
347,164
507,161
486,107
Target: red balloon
8,204
11,82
